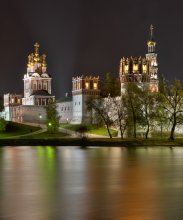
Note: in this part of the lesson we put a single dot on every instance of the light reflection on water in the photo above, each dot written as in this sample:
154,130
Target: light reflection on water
48,183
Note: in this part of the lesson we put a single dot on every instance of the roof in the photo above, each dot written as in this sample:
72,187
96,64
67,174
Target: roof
43,75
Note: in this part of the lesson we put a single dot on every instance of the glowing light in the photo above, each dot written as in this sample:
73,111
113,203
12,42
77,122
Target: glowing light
95,85
87,85
144,68
135,67
126,68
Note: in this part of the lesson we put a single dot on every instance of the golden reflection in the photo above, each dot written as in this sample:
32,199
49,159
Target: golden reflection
108,182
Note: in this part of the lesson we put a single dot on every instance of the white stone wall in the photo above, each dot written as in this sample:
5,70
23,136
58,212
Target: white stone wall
65,111
7,113
25,113
77,109
80,112
33,113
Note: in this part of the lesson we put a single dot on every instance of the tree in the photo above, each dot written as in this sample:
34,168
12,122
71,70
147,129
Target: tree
52,118
82,129
3,124
132,104
161,120
111,86
147,104
119,114
172,104
101,107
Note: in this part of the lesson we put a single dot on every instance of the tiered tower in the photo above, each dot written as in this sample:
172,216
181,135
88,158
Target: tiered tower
151,56
37,82
82,89
142,70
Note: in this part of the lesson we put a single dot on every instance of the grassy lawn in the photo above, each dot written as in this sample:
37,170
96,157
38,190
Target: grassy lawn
14,129
45,135
92,129
102,131
69,126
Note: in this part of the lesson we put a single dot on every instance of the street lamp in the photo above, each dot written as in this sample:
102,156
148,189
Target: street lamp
40,117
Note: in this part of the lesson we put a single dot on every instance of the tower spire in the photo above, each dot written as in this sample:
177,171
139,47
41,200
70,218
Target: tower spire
36,45
151,33
151,43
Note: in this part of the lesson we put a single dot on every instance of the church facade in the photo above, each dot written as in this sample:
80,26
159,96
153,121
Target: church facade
37,81
37,92
37,88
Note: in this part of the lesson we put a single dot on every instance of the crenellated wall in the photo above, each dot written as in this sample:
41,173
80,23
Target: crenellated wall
134,69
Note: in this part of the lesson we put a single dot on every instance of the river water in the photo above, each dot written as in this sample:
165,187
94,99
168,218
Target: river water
70,183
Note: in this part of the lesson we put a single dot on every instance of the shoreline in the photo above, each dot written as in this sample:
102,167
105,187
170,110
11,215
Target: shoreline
105,142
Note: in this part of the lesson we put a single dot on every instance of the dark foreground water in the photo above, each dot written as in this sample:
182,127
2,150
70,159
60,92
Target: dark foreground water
50,183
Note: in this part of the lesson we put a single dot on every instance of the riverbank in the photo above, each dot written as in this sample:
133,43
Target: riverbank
90,142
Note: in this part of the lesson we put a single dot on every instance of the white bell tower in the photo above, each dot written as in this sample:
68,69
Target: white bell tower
37,82
151,56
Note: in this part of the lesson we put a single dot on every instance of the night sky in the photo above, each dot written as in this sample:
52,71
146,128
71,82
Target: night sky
86,37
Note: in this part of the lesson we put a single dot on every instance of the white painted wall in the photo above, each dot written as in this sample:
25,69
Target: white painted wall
65,111
80,113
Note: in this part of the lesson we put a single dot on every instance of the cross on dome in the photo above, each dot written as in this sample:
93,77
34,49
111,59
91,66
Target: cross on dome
36,45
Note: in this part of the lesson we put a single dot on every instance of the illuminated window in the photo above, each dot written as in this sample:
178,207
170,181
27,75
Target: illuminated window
126,68
95,85
144,67
12,100
86,85
135,67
